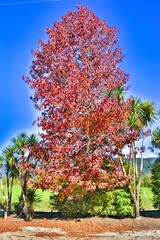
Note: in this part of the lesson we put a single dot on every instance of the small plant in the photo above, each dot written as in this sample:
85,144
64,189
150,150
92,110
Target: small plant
32,199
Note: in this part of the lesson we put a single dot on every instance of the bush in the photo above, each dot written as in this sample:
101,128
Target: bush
99,203
146,181
155,170
122,204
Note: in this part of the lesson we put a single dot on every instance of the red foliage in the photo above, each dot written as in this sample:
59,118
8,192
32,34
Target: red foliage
74,76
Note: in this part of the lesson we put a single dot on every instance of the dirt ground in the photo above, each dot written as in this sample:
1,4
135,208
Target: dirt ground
89,228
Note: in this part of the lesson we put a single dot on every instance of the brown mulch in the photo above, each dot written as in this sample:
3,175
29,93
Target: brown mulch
81,227
44,234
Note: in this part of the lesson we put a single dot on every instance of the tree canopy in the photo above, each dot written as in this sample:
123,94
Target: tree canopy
77,78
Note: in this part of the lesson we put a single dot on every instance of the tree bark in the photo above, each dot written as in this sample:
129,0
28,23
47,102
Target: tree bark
135,200
137,211
10,194
5,205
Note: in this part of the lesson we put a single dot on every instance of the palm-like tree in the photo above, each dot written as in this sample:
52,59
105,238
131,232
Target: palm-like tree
18,160
1,182
11,170
155,141
120,93
136,112
22,144
147,116
156,138
19,143
141,118
148,113
5,205
18,163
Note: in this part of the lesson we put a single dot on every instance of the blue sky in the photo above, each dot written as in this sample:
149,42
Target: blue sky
21,25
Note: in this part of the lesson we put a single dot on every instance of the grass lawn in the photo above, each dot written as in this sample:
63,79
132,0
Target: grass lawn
42,206
146,198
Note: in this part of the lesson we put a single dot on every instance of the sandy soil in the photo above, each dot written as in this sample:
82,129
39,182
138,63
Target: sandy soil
87,229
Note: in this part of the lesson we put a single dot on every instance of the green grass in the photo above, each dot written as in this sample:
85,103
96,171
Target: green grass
146,198
42,206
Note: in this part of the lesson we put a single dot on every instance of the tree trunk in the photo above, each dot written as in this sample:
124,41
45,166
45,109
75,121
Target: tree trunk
137,212
22,197
5,205
24,212
134,163
7,174
10,194
135,200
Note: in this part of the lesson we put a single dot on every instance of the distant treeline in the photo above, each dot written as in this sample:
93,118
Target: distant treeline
147,164
146,168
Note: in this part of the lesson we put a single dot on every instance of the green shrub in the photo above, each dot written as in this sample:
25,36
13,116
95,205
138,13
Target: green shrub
122,204
155,170
99,203
146,181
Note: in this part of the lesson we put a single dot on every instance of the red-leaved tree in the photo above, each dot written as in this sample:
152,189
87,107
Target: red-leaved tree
75,76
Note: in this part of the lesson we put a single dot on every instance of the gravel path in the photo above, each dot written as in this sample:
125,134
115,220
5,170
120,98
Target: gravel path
147,235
